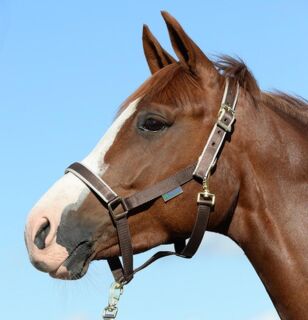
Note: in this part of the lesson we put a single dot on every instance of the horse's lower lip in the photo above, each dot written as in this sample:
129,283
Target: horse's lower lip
60,273
64,274
76,264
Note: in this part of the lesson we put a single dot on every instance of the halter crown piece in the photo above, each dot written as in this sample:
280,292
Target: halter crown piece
119,207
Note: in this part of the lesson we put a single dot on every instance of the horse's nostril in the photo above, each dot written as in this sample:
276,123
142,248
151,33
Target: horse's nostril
42,234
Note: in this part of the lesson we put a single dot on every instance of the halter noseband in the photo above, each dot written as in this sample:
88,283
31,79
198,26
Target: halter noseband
119,207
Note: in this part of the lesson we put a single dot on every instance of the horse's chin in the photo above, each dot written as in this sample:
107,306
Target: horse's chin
64,274
76,265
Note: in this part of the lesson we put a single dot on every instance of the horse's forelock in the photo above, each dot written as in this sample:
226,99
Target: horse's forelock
172,85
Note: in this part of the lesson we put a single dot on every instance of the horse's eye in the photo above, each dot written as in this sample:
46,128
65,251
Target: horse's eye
152,124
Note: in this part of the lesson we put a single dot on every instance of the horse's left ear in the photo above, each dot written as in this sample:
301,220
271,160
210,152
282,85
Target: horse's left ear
185,48
157,57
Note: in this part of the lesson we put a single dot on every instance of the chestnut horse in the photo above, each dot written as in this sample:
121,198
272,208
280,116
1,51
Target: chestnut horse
260,179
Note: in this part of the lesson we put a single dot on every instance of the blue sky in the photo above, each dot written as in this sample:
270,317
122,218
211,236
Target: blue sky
65,67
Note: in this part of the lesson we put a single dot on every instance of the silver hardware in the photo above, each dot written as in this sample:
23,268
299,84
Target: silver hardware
226,114
226,117
115,291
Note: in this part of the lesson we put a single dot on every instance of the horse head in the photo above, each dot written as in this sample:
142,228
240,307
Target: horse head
160,129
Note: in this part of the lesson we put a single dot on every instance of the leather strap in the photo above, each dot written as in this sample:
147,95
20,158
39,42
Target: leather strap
96,183
209,154
193,243
223,125
160,188
199,229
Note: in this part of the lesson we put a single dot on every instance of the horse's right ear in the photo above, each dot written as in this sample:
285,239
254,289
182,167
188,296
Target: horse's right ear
157,57
186,50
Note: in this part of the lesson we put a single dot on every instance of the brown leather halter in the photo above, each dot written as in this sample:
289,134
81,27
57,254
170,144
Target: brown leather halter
119,207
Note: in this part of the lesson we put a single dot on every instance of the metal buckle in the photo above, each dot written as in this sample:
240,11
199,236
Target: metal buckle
206,198
222,119
113,204
115,291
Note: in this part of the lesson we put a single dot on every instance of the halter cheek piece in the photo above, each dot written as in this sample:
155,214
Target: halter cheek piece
119,207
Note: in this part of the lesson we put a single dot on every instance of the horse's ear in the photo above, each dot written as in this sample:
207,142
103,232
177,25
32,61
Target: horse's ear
186,50
157,57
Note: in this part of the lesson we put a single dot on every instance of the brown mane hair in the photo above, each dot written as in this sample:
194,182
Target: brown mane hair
294,107
236,68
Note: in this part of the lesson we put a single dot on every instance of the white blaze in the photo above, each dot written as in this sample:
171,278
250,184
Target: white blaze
94,160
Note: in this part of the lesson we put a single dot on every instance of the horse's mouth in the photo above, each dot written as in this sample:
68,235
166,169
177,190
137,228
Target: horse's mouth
76,265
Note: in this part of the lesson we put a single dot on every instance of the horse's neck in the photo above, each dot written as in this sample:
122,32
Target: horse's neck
270,222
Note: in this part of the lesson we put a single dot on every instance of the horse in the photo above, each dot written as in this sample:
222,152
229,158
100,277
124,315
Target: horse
258,176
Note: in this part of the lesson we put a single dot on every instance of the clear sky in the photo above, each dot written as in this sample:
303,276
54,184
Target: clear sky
65,67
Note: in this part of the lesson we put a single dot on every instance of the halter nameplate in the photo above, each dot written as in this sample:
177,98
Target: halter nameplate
172,194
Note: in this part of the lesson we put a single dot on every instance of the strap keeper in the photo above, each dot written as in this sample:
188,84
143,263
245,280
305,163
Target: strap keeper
112,206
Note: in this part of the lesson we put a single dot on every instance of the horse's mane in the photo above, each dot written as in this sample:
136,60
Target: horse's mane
294,107
236,68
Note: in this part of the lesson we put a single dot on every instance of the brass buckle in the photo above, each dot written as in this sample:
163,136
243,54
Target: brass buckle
113,204
206,198
221,122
